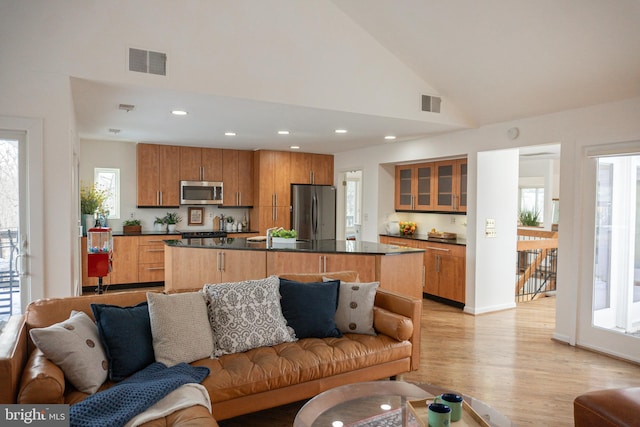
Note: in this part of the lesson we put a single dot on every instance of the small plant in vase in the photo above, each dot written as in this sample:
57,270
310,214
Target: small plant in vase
230,222
158,223
171,219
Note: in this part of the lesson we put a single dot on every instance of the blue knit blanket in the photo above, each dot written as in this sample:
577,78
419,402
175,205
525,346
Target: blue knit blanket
118,404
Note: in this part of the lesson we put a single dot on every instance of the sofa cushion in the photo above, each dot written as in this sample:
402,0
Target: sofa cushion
74,345
310,307
180,327
125,333
355,307
246,315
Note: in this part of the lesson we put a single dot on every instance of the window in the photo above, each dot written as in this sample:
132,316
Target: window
353,202
532,200
109,179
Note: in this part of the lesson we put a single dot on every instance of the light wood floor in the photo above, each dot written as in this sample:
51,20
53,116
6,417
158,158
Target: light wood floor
506,359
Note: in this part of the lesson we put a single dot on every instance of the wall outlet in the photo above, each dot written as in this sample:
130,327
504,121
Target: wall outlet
453,219
490,228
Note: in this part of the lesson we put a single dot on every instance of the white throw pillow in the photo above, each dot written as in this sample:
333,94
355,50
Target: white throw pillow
74,345
180,327
246,315
355,307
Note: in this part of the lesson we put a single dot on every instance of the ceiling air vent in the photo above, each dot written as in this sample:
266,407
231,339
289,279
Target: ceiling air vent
146,61
431,103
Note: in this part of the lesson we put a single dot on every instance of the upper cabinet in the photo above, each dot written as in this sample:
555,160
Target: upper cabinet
272,169
414,187
158,172
307,168
451,185
237,178
432,186
200,164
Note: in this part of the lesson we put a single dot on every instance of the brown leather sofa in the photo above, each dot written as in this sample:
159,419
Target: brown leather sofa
608,408
238,383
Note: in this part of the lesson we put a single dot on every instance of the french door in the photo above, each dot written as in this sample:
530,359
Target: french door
609,319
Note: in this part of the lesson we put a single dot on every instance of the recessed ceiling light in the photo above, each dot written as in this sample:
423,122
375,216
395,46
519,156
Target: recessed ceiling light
295,147
230,133
283,132
341,131
179,113
390,137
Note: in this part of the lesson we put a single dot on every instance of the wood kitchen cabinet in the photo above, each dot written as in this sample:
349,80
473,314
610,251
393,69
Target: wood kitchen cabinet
200,164
158,175
237,176
444,266
191,268
445,270
272,190
308,168
151,258
451,185
415,186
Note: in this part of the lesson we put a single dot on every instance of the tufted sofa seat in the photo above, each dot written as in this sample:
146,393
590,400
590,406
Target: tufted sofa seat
238,383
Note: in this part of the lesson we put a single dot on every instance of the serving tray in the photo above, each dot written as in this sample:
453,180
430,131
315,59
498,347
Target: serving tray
442,235
418,415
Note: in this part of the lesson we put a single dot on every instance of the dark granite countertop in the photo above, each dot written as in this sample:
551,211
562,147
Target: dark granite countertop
317,246
423,237
146,233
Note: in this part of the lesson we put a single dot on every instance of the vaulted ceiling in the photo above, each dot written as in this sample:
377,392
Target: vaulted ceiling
490,61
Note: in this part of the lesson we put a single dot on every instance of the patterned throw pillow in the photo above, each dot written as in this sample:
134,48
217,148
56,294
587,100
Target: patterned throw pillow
355,307
246,315
74,345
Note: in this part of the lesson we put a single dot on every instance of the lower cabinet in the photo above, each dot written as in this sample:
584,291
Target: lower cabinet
191,268
444,267
445,271
150,259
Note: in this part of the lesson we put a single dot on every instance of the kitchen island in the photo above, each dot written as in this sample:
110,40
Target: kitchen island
190,263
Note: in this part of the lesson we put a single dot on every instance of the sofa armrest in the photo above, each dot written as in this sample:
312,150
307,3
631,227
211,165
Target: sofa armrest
607,408
42,381
394,325
407,306
13,357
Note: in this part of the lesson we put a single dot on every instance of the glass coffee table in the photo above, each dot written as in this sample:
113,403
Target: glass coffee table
378,404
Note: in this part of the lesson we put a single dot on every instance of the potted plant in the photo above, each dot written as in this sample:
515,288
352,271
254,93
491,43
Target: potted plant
284,236
132,226
230,222
158,223
92,201
171,219
529,218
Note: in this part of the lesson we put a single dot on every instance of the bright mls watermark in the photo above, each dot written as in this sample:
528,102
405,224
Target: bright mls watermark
34,415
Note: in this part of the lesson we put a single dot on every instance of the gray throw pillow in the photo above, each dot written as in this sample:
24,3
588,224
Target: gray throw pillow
74,345
246,315
180,327
355,307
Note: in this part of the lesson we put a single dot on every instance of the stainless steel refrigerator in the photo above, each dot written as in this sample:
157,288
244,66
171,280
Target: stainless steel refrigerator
313,211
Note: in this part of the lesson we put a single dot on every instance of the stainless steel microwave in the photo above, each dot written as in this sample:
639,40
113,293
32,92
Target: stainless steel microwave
200,193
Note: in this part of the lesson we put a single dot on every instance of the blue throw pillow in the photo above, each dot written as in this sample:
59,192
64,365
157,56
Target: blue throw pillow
125,333
310,307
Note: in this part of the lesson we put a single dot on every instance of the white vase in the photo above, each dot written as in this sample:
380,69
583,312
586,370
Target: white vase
229,226
171,228
157,226
88,221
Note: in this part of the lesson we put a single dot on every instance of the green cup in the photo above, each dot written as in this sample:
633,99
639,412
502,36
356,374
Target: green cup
453,401
439,415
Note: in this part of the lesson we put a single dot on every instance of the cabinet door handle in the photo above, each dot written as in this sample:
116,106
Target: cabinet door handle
324,270
222,257
155,268
239,198
455,205
155,250
310,177
437,263
160,198
320,264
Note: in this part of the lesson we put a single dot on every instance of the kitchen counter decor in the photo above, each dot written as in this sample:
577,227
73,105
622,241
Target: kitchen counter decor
407,227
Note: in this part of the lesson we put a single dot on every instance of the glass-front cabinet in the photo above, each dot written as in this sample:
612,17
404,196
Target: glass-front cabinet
432,186
414,187
451,185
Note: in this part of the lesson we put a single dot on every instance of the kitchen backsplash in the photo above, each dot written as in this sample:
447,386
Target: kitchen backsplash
426,221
